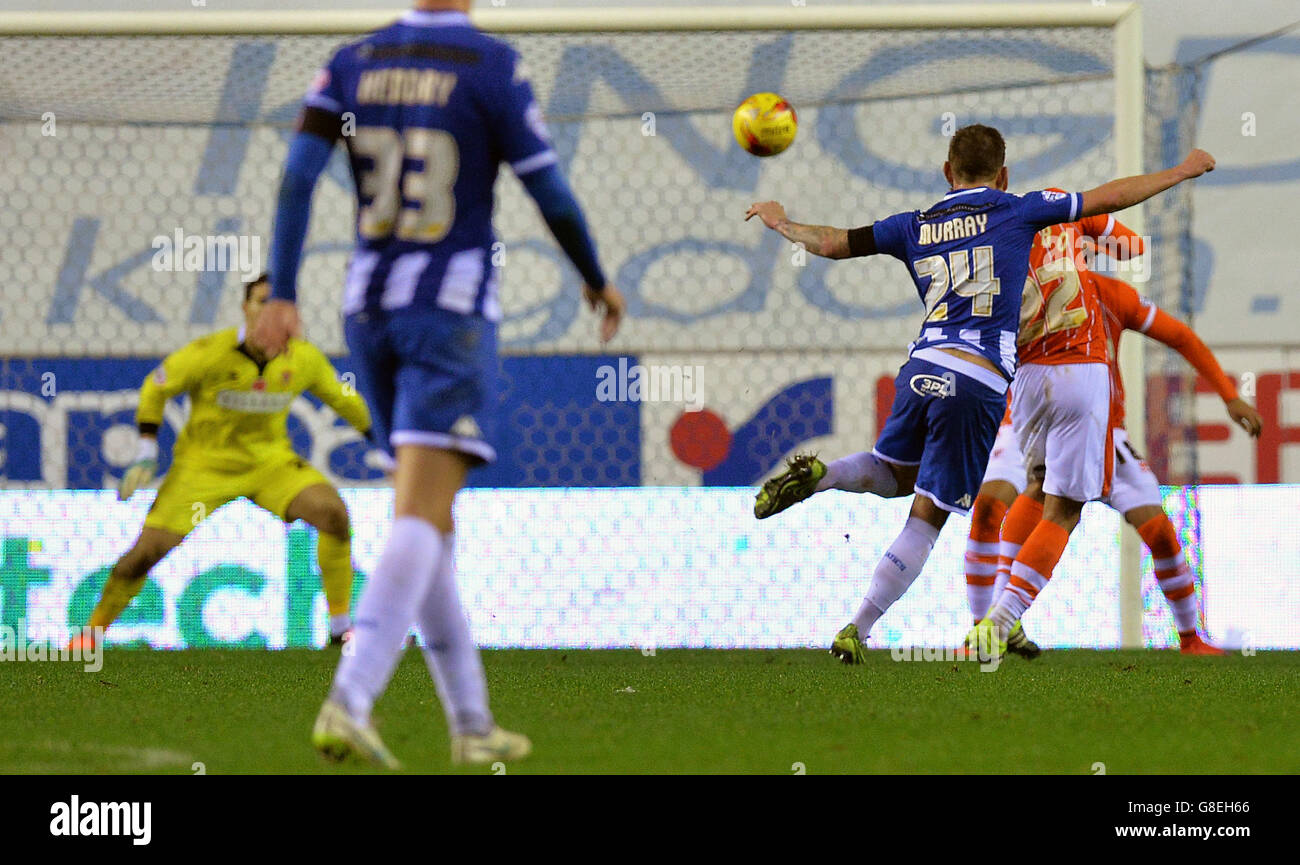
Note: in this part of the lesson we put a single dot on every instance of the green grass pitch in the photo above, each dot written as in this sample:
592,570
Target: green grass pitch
676,712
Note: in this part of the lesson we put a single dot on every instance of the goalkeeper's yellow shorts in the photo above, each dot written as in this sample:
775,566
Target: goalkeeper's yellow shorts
191,493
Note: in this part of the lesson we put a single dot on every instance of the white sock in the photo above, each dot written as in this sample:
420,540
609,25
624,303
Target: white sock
1186,614
900,565
980,598
450,652
339,624
1000,581
978,595
1007,553
860,473
1174,576
1005,610
385,614
1012,602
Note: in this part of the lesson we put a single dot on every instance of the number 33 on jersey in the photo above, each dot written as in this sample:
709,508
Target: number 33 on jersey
412,115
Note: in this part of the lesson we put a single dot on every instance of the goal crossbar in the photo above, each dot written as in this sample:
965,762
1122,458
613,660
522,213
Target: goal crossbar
343,22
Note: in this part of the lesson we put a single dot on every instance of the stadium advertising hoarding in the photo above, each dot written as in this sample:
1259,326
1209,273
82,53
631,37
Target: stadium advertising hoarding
644,568
724,420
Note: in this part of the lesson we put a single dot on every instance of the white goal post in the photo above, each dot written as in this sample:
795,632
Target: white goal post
1121,19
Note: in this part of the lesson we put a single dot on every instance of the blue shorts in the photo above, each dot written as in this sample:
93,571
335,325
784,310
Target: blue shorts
944,422
430,377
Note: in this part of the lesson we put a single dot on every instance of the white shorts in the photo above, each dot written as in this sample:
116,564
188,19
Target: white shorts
1006,463
1061,414
1134,484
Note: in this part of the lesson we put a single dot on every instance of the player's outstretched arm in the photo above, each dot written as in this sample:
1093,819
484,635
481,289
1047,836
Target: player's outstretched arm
563,216
608,303
171,377
308,155
1181,338
343,397
1245,415
142,469
823,240
1128,191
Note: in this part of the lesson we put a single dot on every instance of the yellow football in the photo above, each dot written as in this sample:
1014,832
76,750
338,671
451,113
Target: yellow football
764,124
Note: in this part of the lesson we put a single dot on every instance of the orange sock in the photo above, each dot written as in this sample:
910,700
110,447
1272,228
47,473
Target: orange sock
982,553
1172,573
1022,518
1030,571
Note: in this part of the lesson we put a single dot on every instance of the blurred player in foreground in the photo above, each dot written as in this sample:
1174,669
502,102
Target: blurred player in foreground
968,255
1135,491
235,444
437,106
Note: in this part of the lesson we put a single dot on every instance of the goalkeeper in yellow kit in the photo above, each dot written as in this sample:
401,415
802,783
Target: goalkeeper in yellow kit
236,444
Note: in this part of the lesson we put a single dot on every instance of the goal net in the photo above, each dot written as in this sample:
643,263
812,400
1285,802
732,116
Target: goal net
143,155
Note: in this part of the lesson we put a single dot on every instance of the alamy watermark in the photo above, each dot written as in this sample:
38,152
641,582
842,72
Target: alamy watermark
132,820
189,253
988,660
650,383
89,650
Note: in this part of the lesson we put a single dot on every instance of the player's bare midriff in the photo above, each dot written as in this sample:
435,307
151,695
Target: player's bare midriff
978,360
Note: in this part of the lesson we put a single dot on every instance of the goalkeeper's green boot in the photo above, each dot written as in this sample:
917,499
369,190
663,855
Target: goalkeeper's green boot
796,483
848,647
1018,643
984,643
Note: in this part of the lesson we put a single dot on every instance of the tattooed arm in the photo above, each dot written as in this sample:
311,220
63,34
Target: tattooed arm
823,240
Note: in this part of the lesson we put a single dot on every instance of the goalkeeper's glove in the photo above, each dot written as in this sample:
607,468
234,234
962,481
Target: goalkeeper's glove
140,472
